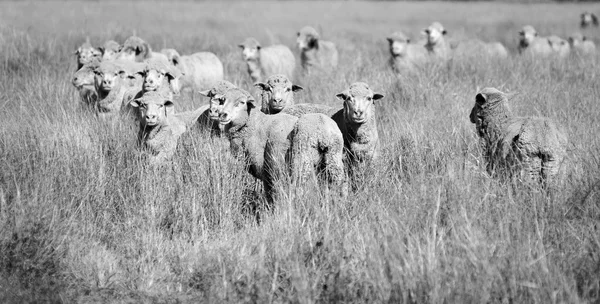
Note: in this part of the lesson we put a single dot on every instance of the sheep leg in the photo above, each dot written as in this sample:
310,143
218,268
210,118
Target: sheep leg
550,168
532,167
334,171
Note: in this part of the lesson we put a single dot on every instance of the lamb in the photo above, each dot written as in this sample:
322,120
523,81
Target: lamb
314,52
265,140
405,55
559,46
535,145
86,53
138,50
109,50
436,45
581,45
588,19
277,93
113,90
200,70
267,61
83,81
532,44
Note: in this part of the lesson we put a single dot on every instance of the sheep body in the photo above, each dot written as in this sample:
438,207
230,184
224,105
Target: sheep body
263,62
200,70
315,52
138,50
86,53
559,46
476,47
530,43
581,45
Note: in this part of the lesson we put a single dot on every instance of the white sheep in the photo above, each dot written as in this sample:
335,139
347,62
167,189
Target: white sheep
436,44
200,70
581,45
277,93
266,61
84,82
217,100
265,140
158,74
109,50
560,46
113,89
532,44
404,55
138,50
315,52
86,53
588,19
535,145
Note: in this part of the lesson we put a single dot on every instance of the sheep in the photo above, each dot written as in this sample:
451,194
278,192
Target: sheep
159,129
537,144
581,45
560,46
113,90
216,104
84,82
86,53
314,52
436,44
158,74
200,70
109,50
265,140
532,44
277,93
404,55
267,61
138,50
588,19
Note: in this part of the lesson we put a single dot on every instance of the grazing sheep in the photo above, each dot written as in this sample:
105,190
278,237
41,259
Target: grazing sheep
84,82
109,50
200,70
138,50
588,19
581,45
535,145
86,53
405,55
267,61
112,87
159,128
277,93
532,44
314,52
436,44
559,46
265,140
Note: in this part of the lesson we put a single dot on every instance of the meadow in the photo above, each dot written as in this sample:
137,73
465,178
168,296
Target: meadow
83,219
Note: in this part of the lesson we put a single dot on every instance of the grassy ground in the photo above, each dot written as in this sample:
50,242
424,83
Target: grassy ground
83,219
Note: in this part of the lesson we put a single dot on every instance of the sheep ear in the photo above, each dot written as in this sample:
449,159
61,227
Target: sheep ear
251,102
521,32
262,86
77,51
425,31
480,99
296,88
444,32
594,19
134,103
390,40
207,93
343,96
241,46
407,40
377,96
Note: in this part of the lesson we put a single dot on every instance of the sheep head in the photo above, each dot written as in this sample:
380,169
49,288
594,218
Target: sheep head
280,92
559,45
107,75
109,50
398,42
526,35
217,99
236,108
157,71
172,55
84,77
86,53
308,38
435,32
358,103
135,49
490,103
154,108
576,39
588,19
250,49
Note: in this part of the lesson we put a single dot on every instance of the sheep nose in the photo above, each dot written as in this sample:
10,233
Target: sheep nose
150,116
107,82
223,116
75,79
358,113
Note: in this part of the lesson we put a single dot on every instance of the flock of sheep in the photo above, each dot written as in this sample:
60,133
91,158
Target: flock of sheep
277,137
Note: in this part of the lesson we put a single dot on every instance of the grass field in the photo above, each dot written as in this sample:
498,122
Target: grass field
83,219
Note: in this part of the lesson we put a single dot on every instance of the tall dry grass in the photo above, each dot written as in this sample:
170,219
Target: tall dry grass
84,219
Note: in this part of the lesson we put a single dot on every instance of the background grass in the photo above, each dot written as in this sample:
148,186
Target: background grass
83,219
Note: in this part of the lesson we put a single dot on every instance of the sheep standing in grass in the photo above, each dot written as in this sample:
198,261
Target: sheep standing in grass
559,46
436,44
109,50
158,74
277,93
265,140
535,145
112,87
217,100
315,52
532,44
588,19
581,46
200,70
405,56
266,61
84,82
138,50
86,53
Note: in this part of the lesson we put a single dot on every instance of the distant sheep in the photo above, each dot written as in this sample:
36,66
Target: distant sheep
316,53
112,87
138,50
217,100
86,53
404,55
560,46
436,44
267,61
158,74
588,19
109,50
200,70
581,45
84,82
532,44
277,93
535,145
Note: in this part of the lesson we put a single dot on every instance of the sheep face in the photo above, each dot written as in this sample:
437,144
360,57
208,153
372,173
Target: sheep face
308,38
526,35
109,50
217,100
358,103
559,45
398,43
434,33
172,55
84,77
86,53
485,101
588,19
154,108
280,92
250,49
107,78
236,108
576,39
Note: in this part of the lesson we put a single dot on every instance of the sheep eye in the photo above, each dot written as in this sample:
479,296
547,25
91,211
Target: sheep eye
369,98
288,89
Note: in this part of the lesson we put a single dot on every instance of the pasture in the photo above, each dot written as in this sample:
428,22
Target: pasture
84,219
